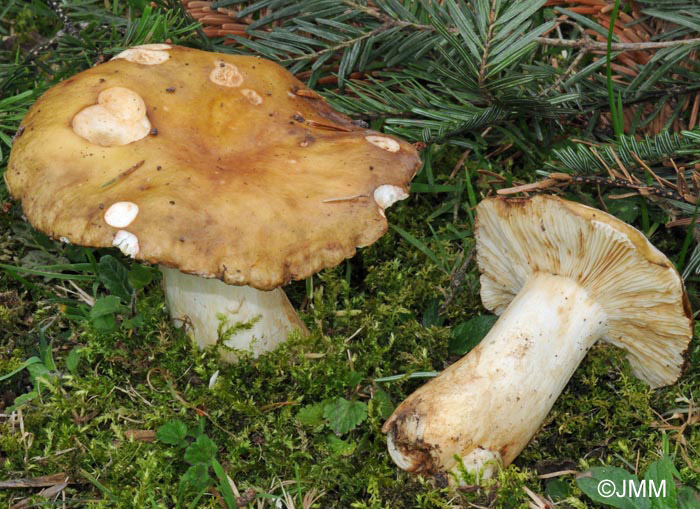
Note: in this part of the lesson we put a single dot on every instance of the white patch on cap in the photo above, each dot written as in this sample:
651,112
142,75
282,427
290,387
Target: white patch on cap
384,143
118,118
146,54
226,75
386,195
252,96
64,240
121,214
127,243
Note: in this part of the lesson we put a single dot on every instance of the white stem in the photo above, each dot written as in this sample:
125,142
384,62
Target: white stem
209,307
490,403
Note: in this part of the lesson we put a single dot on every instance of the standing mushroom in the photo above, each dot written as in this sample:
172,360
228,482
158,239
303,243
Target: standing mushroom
216,167
562,276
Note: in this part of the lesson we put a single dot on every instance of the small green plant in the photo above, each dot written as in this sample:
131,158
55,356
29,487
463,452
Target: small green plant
616,108
342,416
616,487
123,285
43,373
106,313
200,453
467,334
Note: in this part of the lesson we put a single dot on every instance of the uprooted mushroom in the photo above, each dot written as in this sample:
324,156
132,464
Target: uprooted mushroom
561,276
225,170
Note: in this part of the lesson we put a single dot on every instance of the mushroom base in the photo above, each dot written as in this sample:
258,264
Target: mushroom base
235,317
486,407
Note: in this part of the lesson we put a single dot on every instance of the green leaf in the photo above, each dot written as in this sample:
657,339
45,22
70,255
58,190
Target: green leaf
344,415
353,379
135,321
103,311
224,485
46,353
172,432
196,478
104,324
418,245
408,376
203,450
556,489
25,364
73,360
105,491
115,277
141,275
36,371
431,314
381,404
137,4
662,474
106,306
603,484
22,399
311,415
625,209
339,446
466,335
688,498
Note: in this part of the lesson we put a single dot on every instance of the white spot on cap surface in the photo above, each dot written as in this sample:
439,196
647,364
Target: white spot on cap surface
146,54
121,214
252,96
118,118
127,243
386,195
226,75
388,144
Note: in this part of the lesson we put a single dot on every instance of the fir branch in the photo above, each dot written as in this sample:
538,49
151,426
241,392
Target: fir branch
385,27
487,46
668,157
58,9
591,45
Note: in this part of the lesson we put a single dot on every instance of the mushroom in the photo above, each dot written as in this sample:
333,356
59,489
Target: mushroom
561,276
225,170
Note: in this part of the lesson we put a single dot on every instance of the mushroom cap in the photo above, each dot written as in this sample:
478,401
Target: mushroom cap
230,167
637,286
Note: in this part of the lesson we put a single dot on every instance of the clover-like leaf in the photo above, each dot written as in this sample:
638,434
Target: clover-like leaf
172,432
311,415
201,451
344,415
